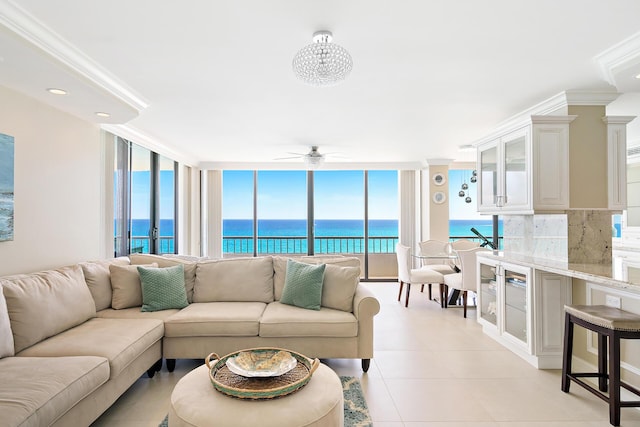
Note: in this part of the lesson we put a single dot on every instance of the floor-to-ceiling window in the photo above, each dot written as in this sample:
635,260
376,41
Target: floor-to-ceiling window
280,212
382,223
238,212
144,200
338,212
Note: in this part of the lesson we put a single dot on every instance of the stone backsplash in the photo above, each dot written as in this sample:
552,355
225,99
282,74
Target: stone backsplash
579,236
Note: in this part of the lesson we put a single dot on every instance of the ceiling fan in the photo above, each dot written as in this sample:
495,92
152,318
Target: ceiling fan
313,159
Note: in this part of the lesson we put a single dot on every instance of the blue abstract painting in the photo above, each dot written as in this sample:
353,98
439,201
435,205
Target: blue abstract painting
6,187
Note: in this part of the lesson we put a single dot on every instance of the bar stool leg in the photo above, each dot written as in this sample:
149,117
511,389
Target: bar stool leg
614,377
602,362
567,352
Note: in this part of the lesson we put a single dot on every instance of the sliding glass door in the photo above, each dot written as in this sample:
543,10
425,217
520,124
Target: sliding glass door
144,201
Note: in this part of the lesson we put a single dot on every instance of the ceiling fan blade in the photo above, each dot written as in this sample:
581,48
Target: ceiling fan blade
287,158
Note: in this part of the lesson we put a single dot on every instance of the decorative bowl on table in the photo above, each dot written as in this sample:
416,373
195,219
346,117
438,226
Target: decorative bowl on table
260,380
268,363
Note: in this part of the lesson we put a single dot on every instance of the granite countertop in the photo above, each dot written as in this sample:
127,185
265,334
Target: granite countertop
622,273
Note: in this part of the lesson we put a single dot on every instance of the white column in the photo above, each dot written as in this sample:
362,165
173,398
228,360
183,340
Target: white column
189,210
408,181
212,213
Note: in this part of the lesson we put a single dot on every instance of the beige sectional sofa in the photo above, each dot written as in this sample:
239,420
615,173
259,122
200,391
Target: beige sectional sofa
74,339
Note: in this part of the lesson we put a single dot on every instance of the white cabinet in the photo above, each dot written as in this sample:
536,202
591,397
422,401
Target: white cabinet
504,299
523,309
526,170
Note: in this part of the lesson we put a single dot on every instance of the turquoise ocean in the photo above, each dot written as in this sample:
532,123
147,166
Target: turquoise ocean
289,236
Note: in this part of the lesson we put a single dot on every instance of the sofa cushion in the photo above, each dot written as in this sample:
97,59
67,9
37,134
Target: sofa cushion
36,391
46,303
227,319
6,336
121,341
237,279
98,279
303,285
280,267
339,287
162,288
281,320
135,313
163,261
127,289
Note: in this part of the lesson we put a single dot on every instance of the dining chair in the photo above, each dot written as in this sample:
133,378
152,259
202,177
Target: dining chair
461,245
409,275
467,279
441,265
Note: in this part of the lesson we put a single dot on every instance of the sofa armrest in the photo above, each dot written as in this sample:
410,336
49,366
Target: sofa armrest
365,304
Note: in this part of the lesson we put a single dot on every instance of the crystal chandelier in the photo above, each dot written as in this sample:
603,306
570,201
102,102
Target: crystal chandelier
322,63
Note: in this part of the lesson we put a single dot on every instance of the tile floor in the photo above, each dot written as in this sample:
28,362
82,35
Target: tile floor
432,368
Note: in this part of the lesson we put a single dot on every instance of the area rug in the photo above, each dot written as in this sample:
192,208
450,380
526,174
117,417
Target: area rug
356,413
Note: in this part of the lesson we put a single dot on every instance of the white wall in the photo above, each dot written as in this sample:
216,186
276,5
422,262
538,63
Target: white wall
58,213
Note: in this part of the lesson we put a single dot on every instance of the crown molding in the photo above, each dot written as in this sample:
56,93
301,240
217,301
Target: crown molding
617,57
618,120
30,29
551,107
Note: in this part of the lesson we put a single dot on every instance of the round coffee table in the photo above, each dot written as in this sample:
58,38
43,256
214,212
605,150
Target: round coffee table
194,402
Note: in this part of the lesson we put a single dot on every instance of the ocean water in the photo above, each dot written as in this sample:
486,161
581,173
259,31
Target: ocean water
289,236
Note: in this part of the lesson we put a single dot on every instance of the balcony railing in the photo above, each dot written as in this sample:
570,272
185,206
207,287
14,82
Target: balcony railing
322,245
140,244
291,244
299,245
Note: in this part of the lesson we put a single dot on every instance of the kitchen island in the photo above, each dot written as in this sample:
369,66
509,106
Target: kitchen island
521,300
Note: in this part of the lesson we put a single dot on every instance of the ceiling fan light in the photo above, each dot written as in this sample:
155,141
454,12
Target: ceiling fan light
322,63
313,162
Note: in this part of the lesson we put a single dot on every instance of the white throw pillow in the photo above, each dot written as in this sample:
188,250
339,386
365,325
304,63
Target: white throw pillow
126,286
339,287
6,336
98,278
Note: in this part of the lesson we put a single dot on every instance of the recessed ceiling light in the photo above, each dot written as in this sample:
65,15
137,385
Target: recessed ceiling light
638,76
101,114
56,91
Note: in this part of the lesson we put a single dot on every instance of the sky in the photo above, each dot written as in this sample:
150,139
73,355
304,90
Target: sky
338,195
6,163
283,194
141,200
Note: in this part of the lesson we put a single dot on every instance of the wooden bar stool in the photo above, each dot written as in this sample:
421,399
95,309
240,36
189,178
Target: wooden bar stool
607,322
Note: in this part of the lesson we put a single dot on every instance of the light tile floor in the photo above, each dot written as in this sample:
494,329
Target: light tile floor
432,368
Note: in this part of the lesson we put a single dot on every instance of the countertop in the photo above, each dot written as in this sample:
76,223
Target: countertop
622,273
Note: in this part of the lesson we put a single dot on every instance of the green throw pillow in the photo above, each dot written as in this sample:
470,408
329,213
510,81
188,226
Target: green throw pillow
163,288
303,285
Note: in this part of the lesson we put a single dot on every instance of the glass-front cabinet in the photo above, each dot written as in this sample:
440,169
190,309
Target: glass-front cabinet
488,290
504,165
523,308
504,294
525,170
516,303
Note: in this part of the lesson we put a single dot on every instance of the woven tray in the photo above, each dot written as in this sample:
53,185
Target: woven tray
258,388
